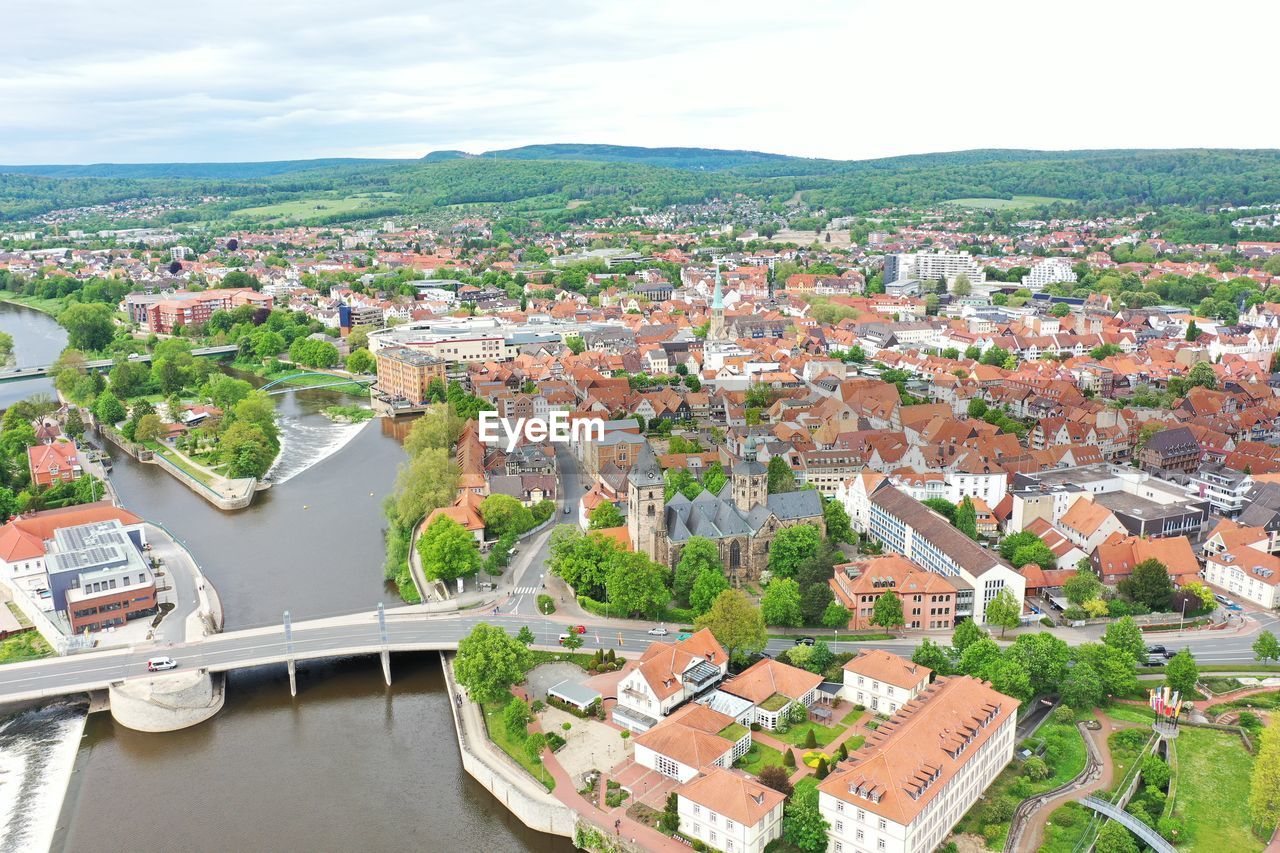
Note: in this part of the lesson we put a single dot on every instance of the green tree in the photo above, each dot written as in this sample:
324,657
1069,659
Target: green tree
605,515
1043,657
887,611
836,517
1004,610
149,428
1082,687
1124,634
1193,331
1038,554
1114,838
1266,647
1181,673
791,546
1148,584
361,361
108,409
966,634
525,635
714,478
735,623
534,744
1202,375
636,584
933,656
516,718
1082,586
1264,786
781,477
942,507
699,553
780,604
448,550
706,589
489,661
89,327
74,425
967,518
802,823
505,515
1010,544
575,344
1114,667
581,559
836,615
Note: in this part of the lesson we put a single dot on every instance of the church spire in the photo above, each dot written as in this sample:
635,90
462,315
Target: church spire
716,332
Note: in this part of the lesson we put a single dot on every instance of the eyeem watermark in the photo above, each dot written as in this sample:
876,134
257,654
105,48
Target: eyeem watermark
557,428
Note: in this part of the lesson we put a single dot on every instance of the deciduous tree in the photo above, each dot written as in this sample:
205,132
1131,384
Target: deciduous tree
735,623
699,553
489,661
887,611
1004,610
780,604
448,550
791,546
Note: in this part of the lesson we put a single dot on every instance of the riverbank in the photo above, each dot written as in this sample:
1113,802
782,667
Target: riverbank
51,307
38,753
227,495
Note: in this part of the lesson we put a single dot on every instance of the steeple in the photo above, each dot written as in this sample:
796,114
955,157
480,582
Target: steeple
716,332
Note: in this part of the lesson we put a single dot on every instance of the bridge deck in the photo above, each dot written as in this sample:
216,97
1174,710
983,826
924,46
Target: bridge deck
1148,835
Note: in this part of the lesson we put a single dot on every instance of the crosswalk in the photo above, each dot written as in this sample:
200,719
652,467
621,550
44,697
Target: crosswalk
525,590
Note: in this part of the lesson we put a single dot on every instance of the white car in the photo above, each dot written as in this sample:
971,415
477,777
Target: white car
161,664
658,631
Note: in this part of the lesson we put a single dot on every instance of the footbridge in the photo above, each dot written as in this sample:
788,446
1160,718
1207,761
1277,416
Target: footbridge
324,380
19,373
1148,835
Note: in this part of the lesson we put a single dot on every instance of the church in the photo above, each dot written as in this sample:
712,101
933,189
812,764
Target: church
742,519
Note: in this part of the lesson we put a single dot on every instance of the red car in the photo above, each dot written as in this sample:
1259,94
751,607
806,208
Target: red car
581,629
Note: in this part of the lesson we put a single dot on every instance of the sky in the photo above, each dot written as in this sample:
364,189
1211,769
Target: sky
82,81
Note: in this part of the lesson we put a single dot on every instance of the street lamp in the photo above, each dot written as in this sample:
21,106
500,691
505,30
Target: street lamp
1182,618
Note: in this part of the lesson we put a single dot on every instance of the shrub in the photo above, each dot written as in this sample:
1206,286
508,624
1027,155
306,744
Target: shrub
1074,613
1065,816
1170,828
566,726
781,727
1064,716
1046,621
1035,769
546,605
810,740
755,727
626,735
776,778
994,834
1001,809
788,758
537,706
797,712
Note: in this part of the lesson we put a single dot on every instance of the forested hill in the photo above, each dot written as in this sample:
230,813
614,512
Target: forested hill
541,181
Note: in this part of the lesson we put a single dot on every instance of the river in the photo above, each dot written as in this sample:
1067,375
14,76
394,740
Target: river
349,764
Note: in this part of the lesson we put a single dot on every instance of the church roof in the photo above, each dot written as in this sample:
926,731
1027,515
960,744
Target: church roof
792,505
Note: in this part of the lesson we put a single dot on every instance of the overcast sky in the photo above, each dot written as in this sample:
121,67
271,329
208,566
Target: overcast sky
86,81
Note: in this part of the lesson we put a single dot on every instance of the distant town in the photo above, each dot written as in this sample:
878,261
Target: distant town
738,525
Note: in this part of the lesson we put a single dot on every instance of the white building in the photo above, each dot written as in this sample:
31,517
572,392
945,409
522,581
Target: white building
693,738
669,675
1245,568
1048,271
904,790
931,266
730,811
883,681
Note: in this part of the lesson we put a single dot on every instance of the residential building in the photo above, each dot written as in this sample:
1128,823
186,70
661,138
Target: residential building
666,676
931,266
1224,488
1173,449
183,308
917,775
1114,558
1048,271
56,462
692,738
1240,560
407,374
773,687
730,811
883,681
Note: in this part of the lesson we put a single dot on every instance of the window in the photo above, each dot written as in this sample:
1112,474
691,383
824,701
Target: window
880,844
880,824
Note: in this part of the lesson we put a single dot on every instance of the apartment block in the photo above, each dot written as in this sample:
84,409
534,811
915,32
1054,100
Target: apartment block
407,373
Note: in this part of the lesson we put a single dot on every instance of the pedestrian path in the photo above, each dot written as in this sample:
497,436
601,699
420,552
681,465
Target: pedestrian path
525,590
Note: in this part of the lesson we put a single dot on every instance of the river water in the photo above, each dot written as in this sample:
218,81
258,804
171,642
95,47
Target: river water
348,765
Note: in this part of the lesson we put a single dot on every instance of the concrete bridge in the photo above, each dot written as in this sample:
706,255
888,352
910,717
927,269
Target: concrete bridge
20,373
1148,835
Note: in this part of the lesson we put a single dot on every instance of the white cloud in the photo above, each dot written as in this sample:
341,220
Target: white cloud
253,80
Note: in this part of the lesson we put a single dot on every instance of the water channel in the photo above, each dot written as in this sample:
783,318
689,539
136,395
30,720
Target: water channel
350,764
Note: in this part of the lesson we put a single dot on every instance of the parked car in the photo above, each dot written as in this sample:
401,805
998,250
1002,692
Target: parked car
1159,650
160,664
564,637
804,641
659,631
1221,599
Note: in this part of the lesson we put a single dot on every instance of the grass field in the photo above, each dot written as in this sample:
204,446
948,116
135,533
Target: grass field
823,734
52,307
511,746
310,208
28,645
1002,203
758,758
1213,791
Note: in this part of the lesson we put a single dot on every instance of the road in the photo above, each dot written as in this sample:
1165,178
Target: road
529,568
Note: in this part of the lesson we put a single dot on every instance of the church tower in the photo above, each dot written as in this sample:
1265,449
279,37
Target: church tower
750,480
716,332
646,510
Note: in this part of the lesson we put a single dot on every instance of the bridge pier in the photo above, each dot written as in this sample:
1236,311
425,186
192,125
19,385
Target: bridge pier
167,703
293,678
386,665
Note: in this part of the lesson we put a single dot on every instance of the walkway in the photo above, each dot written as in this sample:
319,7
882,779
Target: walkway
1148,835
1033,833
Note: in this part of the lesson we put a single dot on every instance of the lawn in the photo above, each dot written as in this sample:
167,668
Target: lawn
53,307
511,746
1002,203
28,645
1213,791
1063,830
180,461
1269,700
823,734
758,758
776,702
852,717
734,732
1130,714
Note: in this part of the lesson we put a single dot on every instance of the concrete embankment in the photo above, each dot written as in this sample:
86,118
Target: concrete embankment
229,495
167,703
506,780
